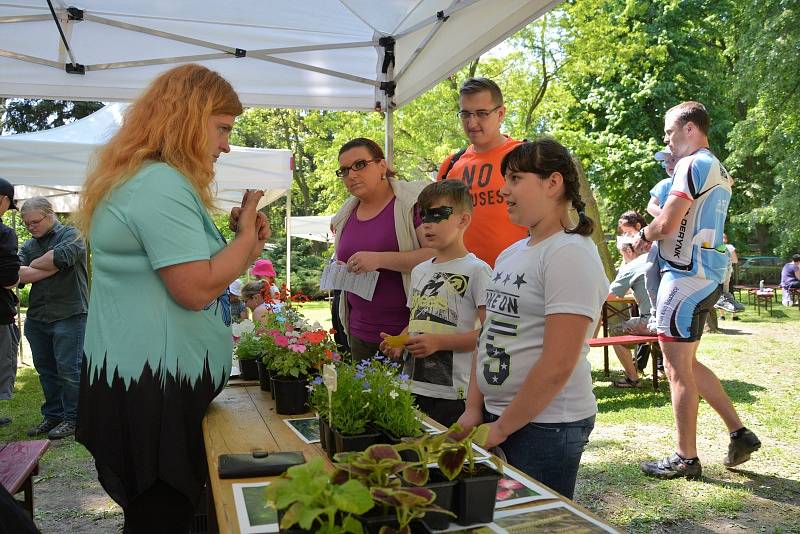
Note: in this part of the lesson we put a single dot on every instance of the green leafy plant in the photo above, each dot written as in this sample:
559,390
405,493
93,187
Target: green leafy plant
249,346
451,450
312,501
409,503
379,466
391,403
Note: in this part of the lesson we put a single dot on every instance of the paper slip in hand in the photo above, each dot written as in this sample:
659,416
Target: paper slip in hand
398,341
336,276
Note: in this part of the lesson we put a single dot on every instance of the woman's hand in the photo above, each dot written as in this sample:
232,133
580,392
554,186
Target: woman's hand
364,261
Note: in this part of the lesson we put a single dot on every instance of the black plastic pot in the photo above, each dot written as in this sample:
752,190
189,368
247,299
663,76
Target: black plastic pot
445,493
392,439
325,435
248,369
264,379
476,494
343,443
373,520
290,395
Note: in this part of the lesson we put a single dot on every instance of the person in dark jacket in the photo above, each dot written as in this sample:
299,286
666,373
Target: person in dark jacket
54,262
9,276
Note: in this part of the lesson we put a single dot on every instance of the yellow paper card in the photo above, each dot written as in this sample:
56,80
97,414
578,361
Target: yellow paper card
397,342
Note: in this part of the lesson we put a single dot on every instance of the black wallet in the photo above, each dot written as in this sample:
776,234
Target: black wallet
258,464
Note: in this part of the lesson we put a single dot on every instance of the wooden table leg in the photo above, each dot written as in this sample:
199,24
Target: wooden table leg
605,334
654,352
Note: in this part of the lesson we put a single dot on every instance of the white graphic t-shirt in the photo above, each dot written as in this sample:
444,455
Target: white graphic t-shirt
444,299
562,274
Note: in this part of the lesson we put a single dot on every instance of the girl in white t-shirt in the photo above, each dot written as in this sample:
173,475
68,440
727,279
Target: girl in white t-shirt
530,378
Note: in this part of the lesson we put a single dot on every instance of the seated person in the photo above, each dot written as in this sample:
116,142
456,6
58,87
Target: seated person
631,276
238,309
790,278
253,297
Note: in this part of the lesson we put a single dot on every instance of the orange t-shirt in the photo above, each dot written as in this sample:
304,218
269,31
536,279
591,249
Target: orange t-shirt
491,231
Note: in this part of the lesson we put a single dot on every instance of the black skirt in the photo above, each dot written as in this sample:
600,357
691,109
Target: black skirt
148,430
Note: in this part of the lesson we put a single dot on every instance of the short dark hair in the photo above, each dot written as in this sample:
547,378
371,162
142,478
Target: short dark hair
544,157
478,85
372,147
454,192
796,257
693,112
632,218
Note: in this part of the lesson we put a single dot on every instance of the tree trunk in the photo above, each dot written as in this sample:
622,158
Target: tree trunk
593,212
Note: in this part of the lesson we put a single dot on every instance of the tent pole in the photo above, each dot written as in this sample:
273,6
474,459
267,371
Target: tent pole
289,240
389,136
20,349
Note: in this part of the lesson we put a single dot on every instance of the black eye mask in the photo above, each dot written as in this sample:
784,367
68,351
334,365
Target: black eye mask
436,215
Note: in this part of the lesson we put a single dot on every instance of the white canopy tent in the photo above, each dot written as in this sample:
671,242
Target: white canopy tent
325,54
314,227
53,163
345,54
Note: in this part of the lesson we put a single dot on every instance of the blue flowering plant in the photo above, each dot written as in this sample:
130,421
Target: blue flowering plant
391,403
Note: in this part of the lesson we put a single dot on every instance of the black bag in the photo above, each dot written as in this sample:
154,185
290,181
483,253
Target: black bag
641,356
258,464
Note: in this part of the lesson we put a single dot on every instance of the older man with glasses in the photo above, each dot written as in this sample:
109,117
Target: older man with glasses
54,262
481,113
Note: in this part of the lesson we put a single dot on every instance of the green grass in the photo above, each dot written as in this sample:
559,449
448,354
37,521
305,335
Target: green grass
757,358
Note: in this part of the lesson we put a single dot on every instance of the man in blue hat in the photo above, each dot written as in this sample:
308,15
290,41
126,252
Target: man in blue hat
9,276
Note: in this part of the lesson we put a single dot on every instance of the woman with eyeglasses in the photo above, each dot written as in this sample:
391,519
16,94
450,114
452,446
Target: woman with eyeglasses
377,229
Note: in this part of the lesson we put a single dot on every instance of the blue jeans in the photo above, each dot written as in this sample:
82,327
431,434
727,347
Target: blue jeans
548,452
57,349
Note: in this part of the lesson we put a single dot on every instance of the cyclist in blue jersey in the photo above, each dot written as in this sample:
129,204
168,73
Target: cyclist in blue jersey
693,261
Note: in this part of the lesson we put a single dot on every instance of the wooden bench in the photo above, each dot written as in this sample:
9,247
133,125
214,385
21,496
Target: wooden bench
19,462
629,340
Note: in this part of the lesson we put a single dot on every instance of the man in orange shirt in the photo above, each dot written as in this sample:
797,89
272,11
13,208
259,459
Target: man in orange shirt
481,114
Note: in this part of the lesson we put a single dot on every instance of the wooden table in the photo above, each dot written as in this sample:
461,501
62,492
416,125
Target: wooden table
764,297
242,419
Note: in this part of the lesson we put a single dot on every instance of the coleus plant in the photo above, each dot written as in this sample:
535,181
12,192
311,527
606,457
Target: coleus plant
450,450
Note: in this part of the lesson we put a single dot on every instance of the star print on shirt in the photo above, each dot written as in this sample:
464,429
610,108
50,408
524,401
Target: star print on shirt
497,277
520,281
507,278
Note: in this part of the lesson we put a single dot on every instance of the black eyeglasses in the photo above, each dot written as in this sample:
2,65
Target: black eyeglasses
341,172
436,215
481,114
33,223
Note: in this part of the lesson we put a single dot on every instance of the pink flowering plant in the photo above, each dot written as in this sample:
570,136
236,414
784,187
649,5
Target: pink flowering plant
293,347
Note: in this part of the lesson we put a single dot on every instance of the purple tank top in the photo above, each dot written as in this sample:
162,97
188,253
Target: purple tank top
387,311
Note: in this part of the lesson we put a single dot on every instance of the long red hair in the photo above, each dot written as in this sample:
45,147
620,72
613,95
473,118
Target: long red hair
167,123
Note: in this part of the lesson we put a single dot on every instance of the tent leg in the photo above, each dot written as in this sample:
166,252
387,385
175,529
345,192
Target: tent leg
289,240
389,136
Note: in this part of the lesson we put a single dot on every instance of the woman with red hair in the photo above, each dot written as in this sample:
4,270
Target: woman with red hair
158,338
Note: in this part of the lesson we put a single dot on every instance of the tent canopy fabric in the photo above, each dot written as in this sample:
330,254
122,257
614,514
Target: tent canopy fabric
313,54
53,163
314,227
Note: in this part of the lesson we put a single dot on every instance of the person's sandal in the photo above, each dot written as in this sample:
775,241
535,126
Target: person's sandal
626,382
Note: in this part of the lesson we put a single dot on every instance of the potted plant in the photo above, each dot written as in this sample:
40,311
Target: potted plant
350,408
247,351
391,404
313,503
476,491
381,468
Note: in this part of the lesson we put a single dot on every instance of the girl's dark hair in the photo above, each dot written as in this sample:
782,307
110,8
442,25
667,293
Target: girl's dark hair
544,157
372,147
632,218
